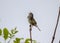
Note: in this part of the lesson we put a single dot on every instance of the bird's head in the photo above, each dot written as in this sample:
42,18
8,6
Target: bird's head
30,16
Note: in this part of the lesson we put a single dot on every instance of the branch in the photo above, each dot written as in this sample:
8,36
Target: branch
30,33
56,27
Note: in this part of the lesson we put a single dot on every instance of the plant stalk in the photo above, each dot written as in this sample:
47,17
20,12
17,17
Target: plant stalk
56,27
31,33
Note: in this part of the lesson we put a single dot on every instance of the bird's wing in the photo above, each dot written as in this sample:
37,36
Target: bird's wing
34,22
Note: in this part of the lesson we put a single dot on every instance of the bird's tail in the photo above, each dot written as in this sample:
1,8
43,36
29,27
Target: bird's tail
38,28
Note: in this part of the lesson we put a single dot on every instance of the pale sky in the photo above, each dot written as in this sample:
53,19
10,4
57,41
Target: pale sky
13,13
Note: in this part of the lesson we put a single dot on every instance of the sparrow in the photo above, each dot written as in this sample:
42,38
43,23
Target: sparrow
32,21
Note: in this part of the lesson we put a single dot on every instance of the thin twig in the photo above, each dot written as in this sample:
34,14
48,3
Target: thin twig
30,33
56,27
9,40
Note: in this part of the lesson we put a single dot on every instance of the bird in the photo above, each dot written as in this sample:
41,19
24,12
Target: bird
32,21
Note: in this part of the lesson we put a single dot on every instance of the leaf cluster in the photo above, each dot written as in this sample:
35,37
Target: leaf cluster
5,33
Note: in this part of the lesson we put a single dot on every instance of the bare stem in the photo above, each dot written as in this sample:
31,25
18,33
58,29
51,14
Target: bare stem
30,33
56,27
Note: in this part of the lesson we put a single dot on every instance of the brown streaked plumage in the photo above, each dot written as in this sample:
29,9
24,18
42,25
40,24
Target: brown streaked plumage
32,21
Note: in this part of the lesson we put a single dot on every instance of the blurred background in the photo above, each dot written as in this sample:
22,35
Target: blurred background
13,13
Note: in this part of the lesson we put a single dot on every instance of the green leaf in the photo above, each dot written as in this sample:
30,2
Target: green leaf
0,32
17,40
11,36
5,33
27,40
14,31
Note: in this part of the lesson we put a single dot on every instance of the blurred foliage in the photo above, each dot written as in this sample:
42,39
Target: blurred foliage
10,34
0,32
0,42
17,40
14,31
5,33
28,40
34,41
